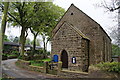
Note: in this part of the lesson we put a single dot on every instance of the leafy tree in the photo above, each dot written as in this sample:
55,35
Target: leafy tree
6,38
2,29
11,38
45,18
19,16
115,49
38,42
16,40
4,20
28,41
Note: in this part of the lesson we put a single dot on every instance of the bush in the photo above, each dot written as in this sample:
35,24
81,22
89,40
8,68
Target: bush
12,56
110,67
24,57
37,63
4,57
16,53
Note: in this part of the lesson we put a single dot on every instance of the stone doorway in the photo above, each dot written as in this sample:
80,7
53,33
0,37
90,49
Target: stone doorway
64,59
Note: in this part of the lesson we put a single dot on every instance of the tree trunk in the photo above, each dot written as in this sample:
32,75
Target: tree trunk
44,50
46,45
118,41
34,44
22,41
2,31
3,25
34,41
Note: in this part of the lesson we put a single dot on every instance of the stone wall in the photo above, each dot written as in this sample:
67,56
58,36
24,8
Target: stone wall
26,65
68,39
100,42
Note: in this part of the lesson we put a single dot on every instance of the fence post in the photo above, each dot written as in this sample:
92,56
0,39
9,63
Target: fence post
118,58
45,67
59,67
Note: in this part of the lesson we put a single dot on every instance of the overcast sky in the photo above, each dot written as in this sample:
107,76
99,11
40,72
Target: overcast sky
87,6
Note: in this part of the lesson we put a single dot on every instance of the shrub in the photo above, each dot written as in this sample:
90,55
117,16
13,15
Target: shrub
37,62
24,57
110,67
4,56
12,56
16,53
47,59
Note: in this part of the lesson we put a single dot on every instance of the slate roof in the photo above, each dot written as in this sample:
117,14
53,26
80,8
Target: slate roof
11,43
15,44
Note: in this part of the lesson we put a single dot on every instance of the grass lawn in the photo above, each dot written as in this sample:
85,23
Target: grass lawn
39,62
47,59
11,55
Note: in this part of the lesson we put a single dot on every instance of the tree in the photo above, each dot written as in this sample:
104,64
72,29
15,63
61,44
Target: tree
45,18
16,40
6,38
112,6
11,38
19,16
2,29
38,42
28,42
115,50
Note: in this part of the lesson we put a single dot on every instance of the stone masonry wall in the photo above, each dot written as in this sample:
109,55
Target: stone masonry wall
98,47
68,39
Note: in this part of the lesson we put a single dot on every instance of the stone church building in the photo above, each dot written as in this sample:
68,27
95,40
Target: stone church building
79,41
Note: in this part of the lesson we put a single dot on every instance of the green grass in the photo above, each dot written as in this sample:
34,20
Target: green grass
39,62
47,59
11,55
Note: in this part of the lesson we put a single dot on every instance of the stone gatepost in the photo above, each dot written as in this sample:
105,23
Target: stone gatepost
45,67
59,67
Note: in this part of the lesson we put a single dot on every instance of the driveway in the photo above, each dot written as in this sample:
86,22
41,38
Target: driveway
10,69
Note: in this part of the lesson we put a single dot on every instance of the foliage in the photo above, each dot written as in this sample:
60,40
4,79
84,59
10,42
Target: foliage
39,62
28,41
47,59
6,49
115,49
24,57
12,55
16,39
20,15
45,17
15,52
6,38
3,26
11,38
41,17
110,67
4,56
